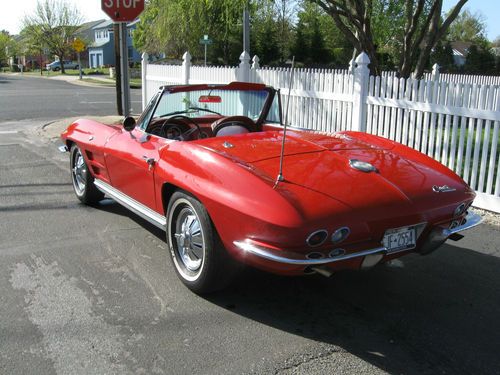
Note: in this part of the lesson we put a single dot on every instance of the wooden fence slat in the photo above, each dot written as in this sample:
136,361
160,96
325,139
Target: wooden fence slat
454,132
494,158
478,141
486,141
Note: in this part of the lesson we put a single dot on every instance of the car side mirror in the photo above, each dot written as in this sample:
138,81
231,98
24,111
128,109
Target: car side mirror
129,123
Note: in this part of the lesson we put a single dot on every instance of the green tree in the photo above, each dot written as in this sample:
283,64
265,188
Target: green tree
443,56
285,11
301,45
479,60
423,28
318,51
6,42
33,42
310,41
174,26
58,22
468,27
265,33
339,49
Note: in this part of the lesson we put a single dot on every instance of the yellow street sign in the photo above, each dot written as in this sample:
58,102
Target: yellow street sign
78,45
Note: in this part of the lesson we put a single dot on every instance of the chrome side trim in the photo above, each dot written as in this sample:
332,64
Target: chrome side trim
264,253
63,148
471,220
138,208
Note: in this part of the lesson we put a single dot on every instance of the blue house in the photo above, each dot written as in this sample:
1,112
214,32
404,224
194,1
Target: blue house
102,51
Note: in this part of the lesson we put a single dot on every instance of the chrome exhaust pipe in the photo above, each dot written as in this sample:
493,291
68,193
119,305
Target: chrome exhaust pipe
323,271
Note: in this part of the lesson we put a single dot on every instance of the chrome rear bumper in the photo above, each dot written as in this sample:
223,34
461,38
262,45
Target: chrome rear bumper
263,252
471,220
436,239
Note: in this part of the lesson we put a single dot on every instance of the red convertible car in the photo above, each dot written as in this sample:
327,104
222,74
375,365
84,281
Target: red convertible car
208,164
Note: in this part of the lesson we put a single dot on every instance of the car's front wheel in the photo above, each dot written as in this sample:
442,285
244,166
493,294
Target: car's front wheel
83,181
199,258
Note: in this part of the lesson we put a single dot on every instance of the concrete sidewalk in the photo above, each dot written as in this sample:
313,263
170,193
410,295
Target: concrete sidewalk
85,81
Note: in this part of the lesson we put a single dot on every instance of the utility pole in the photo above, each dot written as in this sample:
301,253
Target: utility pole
124,70
118,75
246,30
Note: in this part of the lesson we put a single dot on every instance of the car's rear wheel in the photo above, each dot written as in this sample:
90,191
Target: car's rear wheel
83,181
198,256
77,67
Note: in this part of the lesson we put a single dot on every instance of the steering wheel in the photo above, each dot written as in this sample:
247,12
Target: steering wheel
243,121
183,125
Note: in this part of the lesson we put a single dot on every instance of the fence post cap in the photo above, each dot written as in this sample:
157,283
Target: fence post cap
186,56
435,67
362,59
255,64
244,56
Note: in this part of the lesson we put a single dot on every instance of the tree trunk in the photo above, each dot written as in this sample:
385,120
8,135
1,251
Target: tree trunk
61,59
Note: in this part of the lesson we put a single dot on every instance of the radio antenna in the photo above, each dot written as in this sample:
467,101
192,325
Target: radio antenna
280,177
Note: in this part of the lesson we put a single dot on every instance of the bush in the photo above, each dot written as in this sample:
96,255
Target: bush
94,72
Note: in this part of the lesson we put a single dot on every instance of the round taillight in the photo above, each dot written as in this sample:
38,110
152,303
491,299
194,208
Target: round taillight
317,238
340,234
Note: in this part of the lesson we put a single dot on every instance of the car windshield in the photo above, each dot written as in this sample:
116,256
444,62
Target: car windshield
213,102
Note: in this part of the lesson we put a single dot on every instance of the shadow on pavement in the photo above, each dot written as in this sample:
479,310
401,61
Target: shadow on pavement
437,314
433,314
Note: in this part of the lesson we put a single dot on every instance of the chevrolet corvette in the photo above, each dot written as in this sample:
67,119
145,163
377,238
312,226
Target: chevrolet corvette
215,168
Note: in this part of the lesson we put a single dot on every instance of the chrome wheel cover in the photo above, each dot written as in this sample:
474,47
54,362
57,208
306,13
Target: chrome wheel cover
187,239
79,172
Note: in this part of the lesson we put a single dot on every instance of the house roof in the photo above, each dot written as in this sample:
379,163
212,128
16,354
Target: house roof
109,24
460,48
86,32
104,24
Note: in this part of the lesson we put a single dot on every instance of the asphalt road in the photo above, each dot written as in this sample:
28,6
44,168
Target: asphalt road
90,290
41,99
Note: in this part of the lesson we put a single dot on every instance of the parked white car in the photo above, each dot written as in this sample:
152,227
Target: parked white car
56,65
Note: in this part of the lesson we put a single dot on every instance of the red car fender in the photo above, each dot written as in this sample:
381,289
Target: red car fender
91,136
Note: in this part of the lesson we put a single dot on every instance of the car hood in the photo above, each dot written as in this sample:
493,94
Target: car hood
255,147
322,163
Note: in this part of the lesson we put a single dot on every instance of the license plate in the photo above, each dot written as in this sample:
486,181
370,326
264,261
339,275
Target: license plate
400,239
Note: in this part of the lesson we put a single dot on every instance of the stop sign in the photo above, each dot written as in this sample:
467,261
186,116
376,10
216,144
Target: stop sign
122,10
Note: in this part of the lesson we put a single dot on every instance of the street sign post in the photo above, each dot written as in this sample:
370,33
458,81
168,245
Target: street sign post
123,11
79,46
206,41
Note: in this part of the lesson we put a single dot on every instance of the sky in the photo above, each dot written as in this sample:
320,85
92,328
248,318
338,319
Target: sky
11,16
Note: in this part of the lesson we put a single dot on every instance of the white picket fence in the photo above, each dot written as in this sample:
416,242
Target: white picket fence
466,78
456,123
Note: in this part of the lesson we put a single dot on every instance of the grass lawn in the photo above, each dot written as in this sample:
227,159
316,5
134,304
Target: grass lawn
135,83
